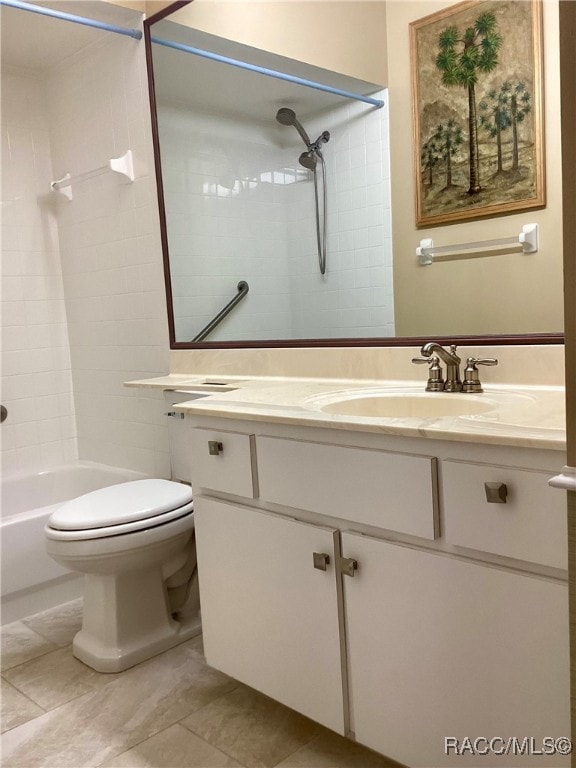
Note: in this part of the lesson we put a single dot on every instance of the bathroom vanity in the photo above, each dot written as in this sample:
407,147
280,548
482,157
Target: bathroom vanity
400,579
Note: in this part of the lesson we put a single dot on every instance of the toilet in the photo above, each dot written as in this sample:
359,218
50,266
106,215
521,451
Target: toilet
134,543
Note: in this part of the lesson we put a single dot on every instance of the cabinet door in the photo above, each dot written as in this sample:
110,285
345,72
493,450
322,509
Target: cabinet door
270,619
441,647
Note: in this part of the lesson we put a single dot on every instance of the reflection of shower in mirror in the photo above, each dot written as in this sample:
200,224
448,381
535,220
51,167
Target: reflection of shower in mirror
240,153
309,160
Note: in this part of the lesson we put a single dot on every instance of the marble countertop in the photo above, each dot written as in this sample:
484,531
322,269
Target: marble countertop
518,415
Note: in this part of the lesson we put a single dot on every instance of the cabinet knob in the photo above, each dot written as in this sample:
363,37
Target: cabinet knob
215,448
348,566
496,493
321,560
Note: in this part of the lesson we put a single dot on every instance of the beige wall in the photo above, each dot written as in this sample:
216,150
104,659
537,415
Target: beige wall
512,293
155,6
344,36
134,5
148,7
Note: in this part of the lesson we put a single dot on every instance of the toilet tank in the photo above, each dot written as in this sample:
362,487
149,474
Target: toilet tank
179,434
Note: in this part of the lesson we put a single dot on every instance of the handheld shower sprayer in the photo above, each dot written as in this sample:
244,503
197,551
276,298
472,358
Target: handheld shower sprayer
309,159
287,116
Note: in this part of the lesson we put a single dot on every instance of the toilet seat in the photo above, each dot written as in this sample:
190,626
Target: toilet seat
120,509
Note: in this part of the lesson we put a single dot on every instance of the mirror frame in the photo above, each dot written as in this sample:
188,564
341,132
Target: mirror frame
389,341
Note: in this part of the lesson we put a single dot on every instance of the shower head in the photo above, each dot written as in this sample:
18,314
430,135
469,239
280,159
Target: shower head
287,116
308,160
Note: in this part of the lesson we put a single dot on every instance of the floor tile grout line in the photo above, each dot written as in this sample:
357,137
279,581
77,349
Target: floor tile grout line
38,632
55,709
44,653
221,749
35,658
179,722
44,710
302,746
29,697
48,639
52,709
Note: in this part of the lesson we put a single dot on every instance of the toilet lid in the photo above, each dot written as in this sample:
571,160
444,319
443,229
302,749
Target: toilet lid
120,504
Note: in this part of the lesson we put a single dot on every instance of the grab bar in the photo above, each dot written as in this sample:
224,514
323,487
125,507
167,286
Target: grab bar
243,289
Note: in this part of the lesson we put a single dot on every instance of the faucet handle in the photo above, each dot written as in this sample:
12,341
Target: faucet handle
481,361
471,381
435,381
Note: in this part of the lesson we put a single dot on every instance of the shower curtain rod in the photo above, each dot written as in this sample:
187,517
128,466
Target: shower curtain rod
135,33
265,71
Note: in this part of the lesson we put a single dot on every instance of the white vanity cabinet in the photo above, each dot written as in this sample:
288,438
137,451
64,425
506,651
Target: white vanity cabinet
454,622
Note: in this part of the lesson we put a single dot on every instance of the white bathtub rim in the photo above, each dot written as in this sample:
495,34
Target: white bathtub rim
68,469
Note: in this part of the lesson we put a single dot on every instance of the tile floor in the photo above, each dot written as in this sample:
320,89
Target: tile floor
172,711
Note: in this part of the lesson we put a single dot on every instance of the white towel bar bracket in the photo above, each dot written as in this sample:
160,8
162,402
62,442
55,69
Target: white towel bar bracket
123,165
527,238
566,480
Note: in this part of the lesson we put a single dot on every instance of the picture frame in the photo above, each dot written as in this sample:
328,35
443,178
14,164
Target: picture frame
477,94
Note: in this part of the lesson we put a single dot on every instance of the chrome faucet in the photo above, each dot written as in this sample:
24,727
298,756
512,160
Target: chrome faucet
452,361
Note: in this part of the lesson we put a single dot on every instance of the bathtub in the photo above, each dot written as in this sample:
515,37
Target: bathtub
32,581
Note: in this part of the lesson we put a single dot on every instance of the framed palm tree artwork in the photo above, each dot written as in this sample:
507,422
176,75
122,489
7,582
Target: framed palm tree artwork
478,110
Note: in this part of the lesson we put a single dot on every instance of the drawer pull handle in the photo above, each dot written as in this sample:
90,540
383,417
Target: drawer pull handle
215,448
348,566
321,560
496,493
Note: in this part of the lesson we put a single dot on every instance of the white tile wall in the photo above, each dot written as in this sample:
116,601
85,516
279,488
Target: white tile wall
241,207
355,296
40,431
83,289
111,254
226,223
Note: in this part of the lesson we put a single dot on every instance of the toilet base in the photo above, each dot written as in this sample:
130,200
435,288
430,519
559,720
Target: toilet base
126,620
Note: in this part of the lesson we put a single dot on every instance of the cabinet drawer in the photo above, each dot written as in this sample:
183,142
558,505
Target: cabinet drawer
531,525
223,462
388,490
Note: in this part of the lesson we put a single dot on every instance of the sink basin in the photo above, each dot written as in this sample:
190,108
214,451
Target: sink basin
421,405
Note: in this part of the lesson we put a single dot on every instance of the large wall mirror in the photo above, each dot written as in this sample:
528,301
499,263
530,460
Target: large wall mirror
288,208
